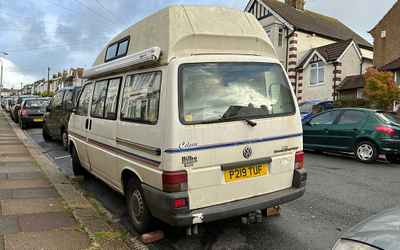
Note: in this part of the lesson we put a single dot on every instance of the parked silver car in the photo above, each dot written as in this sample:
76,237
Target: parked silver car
381,231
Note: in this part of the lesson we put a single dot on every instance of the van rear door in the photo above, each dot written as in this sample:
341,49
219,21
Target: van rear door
239,132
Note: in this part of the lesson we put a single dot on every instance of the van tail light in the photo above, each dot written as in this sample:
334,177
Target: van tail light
180,202
386,130
24,112
299,160
174,181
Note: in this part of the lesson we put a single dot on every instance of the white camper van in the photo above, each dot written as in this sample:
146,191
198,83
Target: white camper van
190,115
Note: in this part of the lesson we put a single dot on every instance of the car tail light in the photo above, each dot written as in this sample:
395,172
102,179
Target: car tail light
174,181
386,130
181,202
24,112
299,160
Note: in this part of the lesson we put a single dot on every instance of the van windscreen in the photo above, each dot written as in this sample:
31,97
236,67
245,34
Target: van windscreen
218,92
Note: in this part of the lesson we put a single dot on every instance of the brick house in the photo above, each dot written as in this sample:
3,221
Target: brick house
387,42
318,51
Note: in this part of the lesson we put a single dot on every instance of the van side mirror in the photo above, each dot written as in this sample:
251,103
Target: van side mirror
73,110
48,108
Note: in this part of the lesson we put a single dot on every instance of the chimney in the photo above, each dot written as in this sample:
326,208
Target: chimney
298,4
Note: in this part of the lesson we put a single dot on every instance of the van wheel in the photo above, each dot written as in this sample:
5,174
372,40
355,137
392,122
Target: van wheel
76,164
22,125
45,134
64,139
139,214
366,152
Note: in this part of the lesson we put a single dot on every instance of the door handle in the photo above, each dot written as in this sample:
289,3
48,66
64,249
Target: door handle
90,124
87,124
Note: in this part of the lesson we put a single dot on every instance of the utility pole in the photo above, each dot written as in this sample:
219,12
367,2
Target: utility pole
48,80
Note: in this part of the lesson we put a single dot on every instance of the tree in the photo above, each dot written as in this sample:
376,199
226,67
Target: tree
380,89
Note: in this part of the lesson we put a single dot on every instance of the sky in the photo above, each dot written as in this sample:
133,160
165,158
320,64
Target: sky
37,34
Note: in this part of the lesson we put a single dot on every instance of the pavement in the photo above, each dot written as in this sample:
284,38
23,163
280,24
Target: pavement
39,207
340,192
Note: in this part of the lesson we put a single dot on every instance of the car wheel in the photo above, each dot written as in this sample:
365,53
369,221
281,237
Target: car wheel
393,158
139,214
64,139
366,152
45,134
22,125
76,164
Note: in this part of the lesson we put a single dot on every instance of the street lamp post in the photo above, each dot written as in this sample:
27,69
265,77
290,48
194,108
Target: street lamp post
1,77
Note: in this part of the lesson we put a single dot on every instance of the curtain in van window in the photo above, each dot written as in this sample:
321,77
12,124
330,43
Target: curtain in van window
141,97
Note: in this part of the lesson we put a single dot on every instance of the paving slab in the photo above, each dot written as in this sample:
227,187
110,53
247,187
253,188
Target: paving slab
4,169
31,206
16,158
14,184
19,164
8,224
6,194
48,240
26,175
46,221
3,176
32,193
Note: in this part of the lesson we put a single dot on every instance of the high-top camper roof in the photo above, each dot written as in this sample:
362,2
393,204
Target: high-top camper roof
179,31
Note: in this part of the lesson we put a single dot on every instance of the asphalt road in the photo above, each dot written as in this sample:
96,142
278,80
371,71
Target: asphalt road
340,193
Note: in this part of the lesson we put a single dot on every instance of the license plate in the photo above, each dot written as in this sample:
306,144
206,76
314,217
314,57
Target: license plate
38,120
247,172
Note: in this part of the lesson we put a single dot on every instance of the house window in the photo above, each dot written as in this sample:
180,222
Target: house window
117,49
397,77
280,37
317,73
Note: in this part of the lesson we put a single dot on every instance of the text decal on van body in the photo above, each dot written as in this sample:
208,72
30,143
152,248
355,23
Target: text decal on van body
189,160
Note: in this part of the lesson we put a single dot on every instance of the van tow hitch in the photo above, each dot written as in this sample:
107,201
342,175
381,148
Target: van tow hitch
252,218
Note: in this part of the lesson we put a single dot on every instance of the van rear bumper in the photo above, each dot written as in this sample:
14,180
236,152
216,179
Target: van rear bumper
160,205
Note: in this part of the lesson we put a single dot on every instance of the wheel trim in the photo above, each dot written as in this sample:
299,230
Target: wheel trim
137,207
365,152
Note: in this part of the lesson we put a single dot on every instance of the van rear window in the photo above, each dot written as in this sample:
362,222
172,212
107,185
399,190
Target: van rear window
218,92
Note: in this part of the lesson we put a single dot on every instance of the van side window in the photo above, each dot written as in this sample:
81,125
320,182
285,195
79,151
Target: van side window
117,49
112,99
141,97
105,99
84,99
99,99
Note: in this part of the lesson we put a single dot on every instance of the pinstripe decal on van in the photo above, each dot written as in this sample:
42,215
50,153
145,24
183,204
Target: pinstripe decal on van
118,151
230,144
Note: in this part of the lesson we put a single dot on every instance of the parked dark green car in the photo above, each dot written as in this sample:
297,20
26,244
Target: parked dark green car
365,132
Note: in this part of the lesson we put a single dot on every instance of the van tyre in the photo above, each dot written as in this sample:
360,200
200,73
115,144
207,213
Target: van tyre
22,125
45,134
139,214
366,152
76,164
64,139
